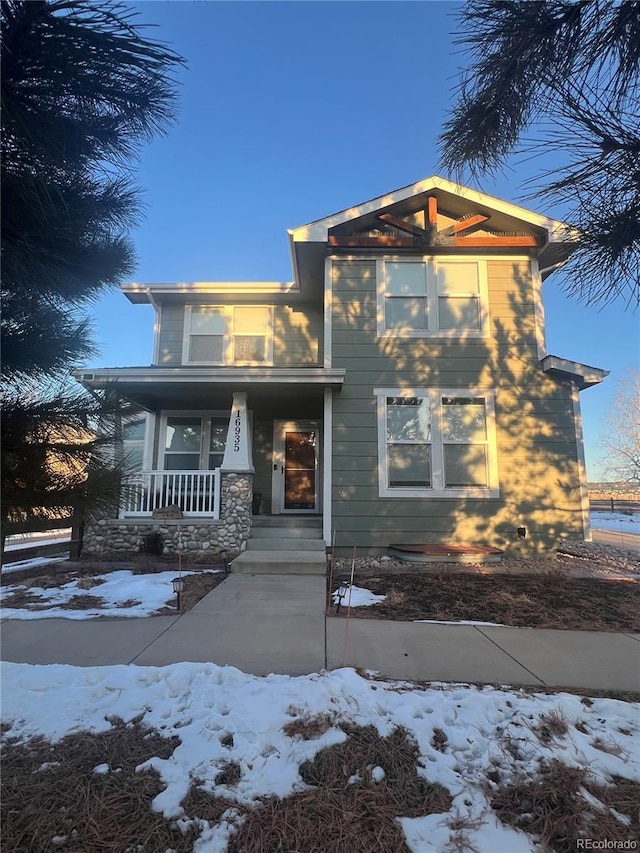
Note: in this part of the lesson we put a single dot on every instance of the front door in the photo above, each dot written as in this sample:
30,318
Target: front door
295,466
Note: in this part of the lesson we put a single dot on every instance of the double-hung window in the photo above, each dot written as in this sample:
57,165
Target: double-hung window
228,334
432,297
436,443
194,442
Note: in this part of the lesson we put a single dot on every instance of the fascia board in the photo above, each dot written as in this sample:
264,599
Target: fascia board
141,293
314,375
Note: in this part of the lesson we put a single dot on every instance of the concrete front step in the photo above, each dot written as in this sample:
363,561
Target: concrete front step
287,521
286,533
283,543
280,563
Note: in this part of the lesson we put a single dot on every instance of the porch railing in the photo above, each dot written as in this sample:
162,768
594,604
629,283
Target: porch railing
195,492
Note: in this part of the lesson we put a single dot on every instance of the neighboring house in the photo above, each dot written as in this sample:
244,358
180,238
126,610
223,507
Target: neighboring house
399,388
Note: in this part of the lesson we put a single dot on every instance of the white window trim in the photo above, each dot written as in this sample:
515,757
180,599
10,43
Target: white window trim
204,440
431,264
438,490
228,355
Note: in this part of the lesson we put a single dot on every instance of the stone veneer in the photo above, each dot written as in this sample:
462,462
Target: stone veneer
229,533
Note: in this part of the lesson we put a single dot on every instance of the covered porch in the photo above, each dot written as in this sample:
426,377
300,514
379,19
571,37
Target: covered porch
220,446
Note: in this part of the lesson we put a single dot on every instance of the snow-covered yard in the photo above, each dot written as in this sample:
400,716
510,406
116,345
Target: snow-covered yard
473,742
618,521
118,593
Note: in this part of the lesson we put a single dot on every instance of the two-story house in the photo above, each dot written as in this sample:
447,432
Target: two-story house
398,390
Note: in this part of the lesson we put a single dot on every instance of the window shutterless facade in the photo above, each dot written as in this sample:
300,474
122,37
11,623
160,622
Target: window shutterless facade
432,297
228,334
436,443
193,442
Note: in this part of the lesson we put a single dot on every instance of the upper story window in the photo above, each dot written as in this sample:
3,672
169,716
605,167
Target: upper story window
228,334
436,443
432,297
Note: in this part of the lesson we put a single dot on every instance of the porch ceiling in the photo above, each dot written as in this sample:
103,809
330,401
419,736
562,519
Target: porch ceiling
156,388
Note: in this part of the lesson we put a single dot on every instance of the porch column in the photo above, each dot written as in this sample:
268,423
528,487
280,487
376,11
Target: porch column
237,452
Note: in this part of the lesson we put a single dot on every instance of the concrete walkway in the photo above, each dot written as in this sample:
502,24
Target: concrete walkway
276,623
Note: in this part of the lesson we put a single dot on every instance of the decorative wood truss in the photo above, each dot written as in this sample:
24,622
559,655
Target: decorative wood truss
393,231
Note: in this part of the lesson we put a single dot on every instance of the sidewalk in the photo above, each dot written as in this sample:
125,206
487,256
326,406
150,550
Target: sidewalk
527,656
276,623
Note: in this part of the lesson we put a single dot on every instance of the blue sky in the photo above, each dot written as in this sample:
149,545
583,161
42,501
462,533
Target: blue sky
290,111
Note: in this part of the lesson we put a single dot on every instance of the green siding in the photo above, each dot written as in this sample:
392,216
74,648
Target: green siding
297,336
537,458
171,332
262,461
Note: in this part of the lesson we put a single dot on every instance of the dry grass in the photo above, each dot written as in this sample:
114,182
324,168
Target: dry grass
200,804
347,810
308,728
93,811
230,774
552,807
439,740
552,600
196,586
551,726
358,789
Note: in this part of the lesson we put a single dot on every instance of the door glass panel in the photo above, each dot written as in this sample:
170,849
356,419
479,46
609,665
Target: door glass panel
300,469
300,450
299,489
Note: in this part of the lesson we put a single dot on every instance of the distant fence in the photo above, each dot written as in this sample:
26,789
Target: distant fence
72,545
612,502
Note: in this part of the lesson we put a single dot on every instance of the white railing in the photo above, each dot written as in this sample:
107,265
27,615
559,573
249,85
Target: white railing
195,492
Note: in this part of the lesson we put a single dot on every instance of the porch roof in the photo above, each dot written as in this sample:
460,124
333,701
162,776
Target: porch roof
156,387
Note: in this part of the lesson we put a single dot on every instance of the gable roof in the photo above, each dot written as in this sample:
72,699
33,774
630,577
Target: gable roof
454,205
456,198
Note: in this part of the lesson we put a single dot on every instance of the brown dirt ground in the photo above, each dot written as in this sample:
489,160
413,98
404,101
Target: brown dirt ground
551,600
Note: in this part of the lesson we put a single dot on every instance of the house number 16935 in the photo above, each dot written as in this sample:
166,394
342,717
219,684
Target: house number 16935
236,433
